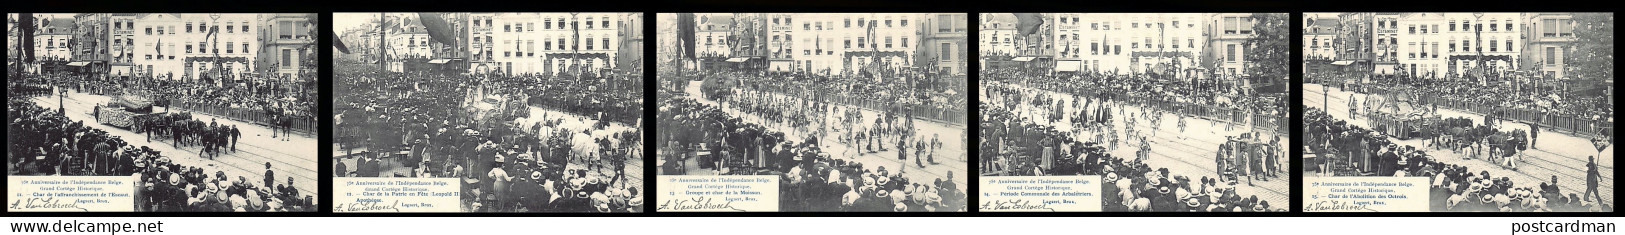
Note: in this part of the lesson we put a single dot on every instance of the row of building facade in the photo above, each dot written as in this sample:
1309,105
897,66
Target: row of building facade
509,43
1438,45
179,45
1181,44
833,43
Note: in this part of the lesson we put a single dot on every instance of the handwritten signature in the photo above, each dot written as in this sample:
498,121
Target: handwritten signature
45,203
1335,205
1016,204
697,203
368,207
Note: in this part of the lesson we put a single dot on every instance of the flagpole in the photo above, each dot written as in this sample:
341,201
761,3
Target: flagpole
381,56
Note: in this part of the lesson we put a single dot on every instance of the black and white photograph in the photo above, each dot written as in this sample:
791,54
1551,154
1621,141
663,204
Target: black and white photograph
506,111
171,112
828,112
1461,101
1171,112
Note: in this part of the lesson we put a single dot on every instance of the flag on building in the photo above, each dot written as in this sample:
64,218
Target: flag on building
338,43
438,28
1028,23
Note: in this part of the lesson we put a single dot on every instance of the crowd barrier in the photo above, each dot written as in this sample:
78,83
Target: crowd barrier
256,116
1577,126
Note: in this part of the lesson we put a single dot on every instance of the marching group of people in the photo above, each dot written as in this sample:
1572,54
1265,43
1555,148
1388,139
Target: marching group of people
281,102
1129,88
811,177
511,160
1500,98
1344,149
44,142
1020,125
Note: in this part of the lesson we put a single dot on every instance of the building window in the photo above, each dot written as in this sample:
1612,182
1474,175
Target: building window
285,29
1231,56
1509,45
1230,24
188,27
1411,50
606,43
589,43
1551,57
888,42
245,47
149,30
606,22
905,41
848,43
849,23
861,42
1435,50
945,23
945,52
287,58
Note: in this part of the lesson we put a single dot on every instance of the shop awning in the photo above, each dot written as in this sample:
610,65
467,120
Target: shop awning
1023,59
1343,62
738,59
80,63
1384,69
439,61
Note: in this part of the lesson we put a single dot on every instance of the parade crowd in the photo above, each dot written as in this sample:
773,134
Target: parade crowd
1016,144
1550,102
511,160
811,178
281,102
1343,149
912,91
1143,87
44,142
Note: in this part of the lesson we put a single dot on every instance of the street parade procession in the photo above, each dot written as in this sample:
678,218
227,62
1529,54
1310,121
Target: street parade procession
865,137
1162,138
560,139
217,135
1490,136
